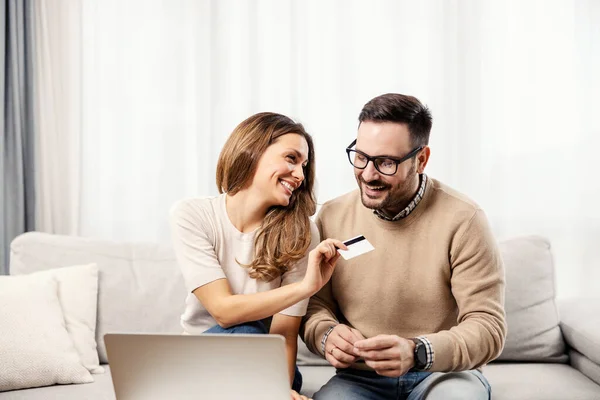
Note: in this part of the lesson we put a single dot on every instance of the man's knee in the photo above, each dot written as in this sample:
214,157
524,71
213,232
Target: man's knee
333,390
466,385
338,387
356,385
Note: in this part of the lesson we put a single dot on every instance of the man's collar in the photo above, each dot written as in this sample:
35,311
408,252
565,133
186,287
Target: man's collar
411,206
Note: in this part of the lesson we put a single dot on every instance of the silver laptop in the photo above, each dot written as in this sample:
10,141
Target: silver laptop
153,367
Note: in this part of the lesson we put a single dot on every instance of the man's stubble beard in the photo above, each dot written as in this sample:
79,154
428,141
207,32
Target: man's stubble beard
397,198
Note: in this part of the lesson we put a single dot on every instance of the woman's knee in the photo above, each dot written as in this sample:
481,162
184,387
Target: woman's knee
248,328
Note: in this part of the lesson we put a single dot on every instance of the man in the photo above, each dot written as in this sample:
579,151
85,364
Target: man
417,316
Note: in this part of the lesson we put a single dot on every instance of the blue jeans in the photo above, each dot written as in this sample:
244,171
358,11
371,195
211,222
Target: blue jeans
256,327
353,384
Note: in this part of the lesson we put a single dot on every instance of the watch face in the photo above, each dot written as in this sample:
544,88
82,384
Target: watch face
421,355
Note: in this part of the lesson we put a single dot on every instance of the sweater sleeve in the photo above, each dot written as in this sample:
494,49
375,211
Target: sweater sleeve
321,313
477,283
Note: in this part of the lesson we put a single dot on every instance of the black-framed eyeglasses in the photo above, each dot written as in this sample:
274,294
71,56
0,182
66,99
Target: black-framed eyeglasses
385,164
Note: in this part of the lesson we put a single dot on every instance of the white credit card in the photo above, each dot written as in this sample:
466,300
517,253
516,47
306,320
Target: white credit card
356,246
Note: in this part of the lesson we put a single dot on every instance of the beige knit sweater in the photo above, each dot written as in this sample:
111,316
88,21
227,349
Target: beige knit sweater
436,273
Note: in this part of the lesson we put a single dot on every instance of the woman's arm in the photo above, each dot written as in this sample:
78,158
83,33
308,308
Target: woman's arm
233,309
288,326
230,309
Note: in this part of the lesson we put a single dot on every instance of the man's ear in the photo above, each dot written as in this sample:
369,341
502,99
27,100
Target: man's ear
423,159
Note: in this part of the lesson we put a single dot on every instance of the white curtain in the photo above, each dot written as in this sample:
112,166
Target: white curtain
57,102
513,87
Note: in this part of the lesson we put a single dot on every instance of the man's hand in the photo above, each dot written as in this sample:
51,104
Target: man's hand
388,355
339,347
297,396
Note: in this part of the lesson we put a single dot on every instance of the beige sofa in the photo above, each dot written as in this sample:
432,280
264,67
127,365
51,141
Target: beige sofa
141,290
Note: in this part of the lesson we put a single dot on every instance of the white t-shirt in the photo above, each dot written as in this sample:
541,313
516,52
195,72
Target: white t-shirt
207,246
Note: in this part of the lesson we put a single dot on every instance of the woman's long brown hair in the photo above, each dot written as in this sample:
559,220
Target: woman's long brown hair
284,235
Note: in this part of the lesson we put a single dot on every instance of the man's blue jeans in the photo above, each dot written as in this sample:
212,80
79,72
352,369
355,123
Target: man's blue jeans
352,384
256,327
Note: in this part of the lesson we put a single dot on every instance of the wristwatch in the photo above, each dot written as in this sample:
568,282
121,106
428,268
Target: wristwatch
420,354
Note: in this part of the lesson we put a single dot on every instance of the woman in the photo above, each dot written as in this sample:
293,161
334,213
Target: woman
243,254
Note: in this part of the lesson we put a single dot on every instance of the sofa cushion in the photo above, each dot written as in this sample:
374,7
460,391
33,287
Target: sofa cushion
35,347
537,381
140,288
305,357
585,365
532,317
580,324
100,389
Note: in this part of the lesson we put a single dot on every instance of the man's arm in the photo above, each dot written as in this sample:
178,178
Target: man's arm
320,316
478,286
332,340
321,330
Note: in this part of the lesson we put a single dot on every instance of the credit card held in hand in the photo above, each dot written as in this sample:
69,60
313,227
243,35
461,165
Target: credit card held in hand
356,246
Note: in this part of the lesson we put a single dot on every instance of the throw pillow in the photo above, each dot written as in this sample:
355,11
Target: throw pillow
78,297
35,347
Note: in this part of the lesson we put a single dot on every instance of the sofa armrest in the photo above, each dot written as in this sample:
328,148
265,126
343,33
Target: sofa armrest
580,326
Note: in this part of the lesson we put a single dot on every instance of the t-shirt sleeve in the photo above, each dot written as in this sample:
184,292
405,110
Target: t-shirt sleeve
297,273
193,243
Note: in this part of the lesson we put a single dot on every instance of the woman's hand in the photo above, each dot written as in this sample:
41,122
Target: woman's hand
297,396
321,263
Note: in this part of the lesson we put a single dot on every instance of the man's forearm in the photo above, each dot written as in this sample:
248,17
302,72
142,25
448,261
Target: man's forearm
320,316
471,344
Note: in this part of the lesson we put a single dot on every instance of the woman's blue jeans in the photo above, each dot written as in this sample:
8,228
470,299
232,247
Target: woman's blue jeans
256,327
